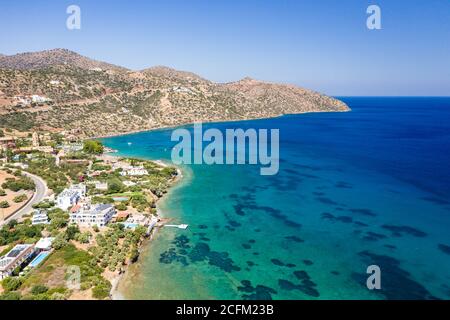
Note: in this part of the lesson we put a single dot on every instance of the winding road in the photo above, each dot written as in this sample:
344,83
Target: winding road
39,194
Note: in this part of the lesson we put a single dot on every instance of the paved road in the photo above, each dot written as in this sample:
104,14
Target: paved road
39,194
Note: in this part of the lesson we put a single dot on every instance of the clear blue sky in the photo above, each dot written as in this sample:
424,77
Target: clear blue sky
319,44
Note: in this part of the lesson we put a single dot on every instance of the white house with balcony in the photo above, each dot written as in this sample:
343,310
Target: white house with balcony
14,258
90,215
134,171
39,217
70,196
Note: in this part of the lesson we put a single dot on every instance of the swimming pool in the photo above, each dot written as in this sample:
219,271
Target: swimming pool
38,260
130,225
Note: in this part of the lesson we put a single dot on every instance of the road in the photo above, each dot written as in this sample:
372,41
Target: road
39,194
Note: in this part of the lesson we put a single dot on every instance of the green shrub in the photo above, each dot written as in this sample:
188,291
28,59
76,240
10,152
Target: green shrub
4,204
39,289
20,198
11,284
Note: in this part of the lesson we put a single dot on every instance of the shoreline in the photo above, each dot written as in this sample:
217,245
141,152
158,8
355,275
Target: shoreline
115,293
208,122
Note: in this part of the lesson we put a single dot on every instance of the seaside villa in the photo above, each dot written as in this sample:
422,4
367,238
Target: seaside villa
14,259
134,171
87,215
70,196
39,217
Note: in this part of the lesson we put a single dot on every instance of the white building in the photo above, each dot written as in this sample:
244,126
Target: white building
44,244
39,217
138,219
39,99
101,186
88,215
14,258
70,196
128,183
134,171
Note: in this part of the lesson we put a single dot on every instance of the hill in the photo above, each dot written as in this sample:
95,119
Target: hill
96,99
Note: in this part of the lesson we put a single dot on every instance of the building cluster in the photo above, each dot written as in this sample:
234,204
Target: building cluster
28,100
87,215
133,171
24,255
71,196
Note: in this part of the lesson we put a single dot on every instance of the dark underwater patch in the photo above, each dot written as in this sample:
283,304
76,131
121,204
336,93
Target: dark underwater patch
343,185
200,252
234,223
170,256
436,200
277,262
255,293
365,212
308,262
291,265
397,283
307,286
444,248
360,224
373,236
329,216
398,231
326,201
294,238
246,246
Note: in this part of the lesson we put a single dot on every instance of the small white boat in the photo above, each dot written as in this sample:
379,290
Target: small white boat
129,143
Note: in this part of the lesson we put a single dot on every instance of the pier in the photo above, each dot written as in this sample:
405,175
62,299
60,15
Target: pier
179,226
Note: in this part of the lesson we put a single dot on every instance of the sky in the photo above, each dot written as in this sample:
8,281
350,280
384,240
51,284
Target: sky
322,45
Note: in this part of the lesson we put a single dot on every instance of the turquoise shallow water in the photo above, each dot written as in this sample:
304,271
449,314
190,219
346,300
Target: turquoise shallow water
365,187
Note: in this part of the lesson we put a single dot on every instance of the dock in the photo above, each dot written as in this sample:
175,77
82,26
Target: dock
179,226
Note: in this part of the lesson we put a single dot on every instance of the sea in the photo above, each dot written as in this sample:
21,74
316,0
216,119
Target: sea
356,192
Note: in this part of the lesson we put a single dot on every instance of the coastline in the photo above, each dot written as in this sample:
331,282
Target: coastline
115,292
210,122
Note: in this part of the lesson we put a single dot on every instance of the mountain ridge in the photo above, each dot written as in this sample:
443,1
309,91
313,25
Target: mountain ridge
95,98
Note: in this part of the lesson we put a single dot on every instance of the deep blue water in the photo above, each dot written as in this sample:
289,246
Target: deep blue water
370,186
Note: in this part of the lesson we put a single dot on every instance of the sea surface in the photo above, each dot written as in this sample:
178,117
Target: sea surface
360,188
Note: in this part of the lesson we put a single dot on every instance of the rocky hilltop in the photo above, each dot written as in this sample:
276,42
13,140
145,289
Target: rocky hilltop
96,99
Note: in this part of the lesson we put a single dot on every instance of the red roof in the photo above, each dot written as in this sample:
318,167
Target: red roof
75,208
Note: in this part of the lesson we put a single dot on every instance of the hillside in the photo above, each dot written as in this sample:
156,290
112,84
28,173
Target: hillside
50,58
113,100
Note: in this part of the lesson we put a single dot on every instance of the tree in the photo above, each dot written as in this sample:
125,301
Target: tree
20,198
93,147
10,296
11,284
71,232
60,241
4,204
39,289
115,186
